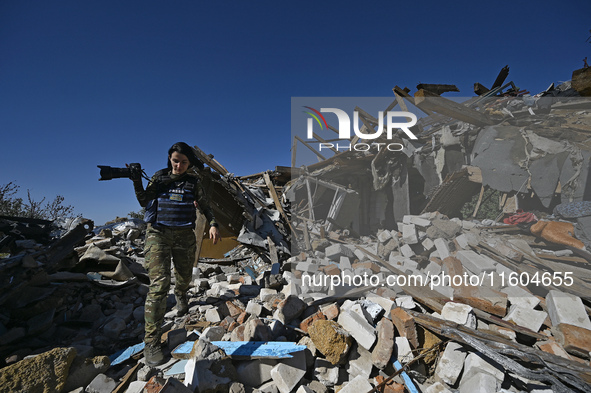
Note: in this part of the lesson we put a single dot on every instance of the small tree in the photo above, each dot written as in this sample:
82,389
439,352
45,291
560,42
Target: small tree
139,214
10,205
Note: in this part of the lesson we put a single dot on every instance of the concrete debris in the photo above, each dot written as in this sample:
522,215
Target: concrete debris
341,288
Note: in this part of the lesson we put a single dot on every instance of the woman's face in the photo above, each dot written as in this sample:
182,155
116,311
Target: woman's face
180,163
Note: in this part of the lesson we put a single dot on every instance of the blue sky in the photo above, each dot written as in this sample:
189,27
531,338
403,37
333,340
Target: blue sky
84,83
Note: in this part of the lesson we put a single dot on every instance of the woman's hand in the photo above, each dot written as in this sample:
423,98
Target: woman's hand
214,234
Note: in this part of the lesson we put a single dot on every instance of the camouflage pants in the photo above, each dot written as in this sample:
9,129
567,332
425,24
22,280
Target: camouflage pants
162,244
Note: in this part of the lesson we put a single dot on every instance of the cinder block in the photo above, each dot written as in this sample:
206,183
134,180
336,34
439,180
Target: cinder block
428,244
101,384
357,385
475,364
526,317
337,250
213,315
459,313
462,241
326,372
255,372
437,387
451,363
406,251
402,350
474,262
289,372
409,234
566,308
254,308
358,327
384,236
519,296
344,263
442,248
359,362
479,383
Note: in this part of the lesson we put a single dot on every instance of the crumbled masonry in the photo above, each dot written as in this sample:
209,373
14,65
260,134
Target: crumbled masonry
329,301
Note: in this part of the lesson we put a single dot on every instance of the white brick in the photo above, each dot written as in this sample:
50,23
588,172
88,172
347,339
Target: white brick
451,363
357,385
462,241
289,372
428,244
213,315
474,364
255,372
405,302
267,294
384,236
566,308
358,327
420,222
336,250
459,313
254,308
326,372
359,363
387,304
437,387
442,248
432,268
344,263
479,383
402,350
526,317
406,251
409,234
474,262
519,296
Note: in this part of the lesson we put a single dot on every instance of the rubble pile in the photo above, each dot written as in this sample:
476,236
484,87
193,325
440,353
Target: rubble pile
377,280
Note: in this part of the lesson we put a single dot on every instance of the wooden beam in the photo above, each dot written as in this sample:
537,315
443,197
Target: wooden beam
437,88
404,93
479,89
426,100
294,149
210,161
276,200
479,202
309,147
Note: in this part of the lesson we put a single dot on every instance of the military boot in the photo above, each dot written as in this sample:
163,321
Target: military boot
182,305
153,354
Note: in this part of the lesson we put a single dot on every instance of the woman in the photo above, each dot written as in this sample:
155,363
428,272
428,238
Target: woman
170,199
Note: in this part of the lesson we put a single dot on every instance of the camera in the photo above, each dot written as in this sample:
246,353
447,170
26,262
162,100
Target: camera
133,172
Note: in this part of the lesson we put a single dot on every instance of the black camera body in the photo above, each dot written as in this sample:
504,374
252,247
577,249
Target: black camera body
133,172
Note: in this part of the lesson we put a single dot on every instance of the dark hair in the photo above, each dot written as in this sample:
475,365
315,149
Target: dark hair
183,148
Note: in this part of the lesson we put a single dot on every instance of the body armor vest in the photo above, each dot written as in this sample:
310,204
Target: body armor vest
174,206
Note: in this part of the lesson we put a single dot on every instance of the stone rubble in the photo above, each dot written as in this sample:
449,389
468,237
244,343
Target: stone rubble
452,301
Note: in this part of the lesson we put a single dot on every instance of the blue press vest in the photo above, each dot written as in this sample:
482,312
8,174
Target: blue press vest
174,207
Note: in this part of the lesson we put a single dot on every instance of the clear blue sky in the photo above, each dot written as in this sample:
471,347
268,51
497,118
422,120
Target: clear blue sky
112,82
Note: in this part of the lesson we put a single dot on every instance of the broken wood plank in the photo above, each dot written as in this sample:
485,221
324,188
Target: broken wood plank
433,102
404,93
437,88
127,379
478,202
277,201
309,147
480,89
